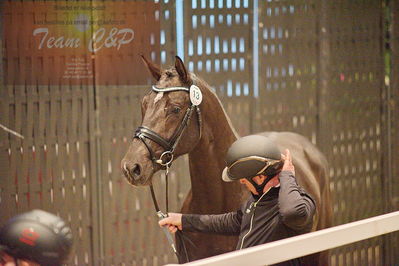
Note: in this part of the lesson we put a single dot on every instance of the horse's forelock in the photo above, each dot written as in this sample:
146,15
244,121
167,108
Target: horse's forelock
168,78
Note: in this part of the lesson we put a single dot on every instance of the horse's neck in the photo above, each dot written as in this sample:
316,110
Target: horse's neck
207,161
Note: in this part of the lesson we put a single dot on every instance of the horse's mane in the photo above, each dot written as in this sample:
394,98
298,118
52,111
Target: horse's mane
204,85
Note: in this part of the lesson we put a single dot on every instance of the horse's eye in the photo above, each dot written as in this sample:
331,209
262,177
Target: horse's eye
176,110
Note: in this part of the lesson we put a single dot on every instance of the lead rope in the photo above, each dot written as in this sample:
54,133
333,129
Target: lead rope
162,215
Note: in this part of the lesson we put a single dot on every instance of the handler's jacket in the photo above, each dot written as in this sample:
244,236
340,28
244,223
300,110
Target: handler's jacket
282,212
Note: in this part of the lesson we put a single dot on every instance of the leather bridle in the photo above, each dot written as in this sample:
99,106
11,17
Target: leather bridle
166,158
143,132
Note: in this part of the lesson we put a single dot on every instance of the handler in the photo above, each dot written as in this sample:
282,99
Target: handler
278,208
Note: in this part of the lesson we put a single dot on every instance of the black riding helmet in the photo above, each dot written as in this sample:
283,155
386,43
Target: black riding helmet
250,156
37,236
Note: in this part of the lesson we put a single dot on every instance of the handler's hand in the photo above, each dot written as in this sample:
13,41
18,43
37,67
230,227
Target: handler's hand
288,166
173,222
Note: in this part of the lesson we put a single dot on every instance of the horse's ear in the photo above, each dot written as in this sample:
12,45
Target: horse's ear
181,69
153,68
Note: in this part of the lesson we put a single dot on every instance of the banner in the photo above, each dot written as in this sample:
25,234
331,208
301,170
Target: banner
72,43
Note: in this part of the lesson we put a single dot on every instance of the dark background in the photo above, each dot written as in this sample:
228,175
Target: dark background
325,69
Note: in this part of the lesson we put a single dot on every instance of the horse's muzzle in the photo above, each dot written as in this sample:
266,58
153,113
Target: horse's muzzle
132,173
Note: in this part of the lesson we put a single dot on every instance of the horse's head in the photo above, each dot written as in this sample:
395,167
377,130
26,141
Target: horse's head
170,124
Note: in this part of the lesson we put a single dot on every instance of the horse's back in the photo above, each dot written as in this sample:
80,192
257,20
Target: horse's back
297,143
310,164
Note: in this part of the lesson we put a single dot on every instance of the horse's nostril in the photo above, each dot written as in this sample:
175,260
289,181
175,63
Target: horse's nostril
135,171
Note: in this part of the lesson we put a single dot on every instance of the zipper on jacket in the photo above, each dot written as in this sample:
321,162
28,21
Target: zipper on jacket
249,231
252,217
248,210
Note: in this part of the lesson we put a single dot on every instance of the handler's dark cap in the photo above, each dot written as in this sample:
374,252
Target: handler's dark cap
250,156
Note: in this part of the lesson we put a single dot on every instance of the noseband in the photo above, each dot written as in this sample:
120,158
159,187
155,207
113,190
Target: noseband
170,145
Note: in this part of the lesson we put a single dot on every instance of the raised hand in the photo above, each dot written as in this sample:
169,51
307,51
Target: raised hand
288,166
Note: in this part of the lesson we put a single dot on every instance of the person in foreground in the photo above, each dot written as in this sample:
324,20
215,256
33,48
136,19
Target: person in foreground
35,238
278,207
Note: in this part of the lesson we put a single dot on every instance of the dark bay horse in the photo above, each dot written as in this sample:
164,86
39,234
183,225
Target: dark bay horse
206,143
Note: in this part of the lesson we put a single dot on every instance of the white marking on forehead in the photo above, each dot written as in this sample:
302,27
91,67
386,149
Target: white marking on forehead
158,97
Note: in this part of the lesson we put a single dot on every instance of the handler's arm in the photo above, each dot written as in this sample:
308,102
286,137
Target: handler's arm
296,206
227,224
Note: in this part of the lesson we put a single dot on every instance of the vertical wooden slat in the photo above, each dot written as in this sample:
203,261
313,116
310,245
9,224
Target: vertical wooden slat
391,181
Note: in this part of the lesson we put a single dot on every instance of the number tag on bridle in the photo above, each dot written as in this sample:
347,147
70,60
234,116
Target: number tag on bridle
195,95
